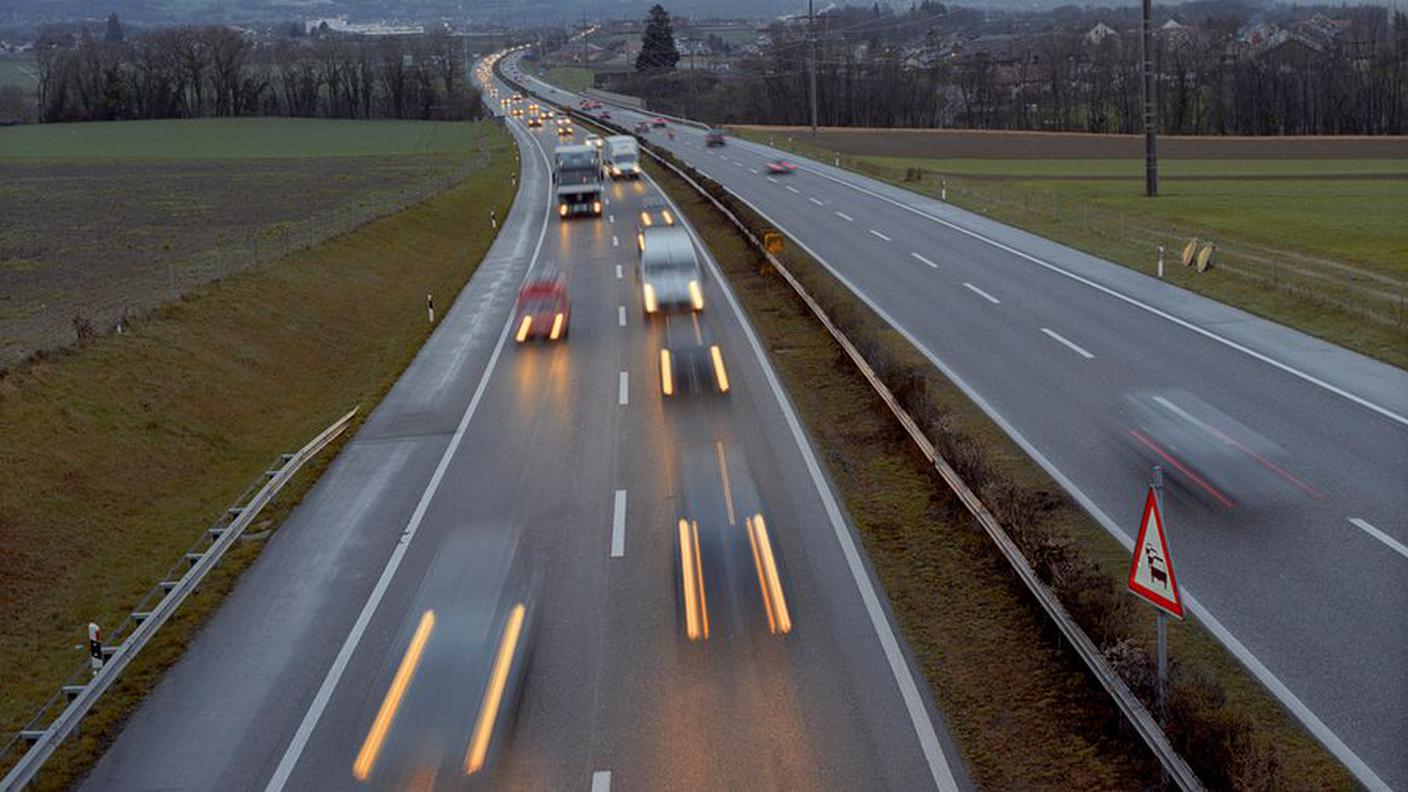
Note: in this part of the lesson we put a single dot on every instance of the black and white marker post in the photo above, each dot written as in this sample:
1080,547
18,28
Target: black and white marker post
430,307
95,648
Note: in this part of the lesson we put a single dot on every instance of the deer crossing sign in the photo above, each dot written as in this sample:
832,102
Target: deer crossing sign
1151,569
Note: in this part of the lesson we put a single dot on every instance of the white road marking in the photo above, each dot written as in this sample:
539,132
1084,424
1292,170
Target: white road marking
845,217
622,389
1359,768
618,272
878,234
983,294
601,781
939,768
771,179
1323,733
611,218
621,315
614,241
815,201
1393,544
618,525
1069,344
753,171
354,635
793,190
926,261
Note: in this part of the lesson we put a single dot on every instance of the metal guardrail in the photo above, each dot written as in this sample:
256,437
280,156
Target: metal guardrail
1132,708
165,597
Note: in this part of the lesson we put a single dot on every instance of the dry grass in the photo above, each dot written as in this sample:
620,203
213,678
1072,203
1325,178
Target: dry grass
117,454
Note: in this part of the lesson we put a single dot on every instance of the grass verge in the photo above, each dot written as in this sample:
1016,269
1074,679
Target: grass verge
571,78
117,454
1022,707
1323,255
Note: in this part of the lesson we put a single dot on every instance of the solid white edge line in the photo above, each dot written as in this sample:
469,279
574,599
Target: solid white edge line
618,525
845,217
877,233
623,389
909,691
1393,544
981,293
1159,312
1317,727
601,781
1069,344
354,636
621,315
926,261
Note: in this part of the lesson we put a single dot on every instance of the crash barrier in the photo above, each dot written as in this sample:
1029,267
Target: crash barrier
1130,706
89,682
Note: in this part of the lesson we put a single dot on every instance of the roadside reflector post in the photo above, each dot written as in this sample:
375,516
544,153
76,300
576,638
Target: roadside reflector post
493,219
1161,264
943,188
430,307
95,647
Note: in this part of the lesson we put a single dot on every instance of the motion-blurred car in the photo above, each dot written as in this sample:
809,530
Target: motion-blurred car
669,271
654,213
544,310
595,141
605,115
729,569
714,137
640,127
781,167
658,122
691,365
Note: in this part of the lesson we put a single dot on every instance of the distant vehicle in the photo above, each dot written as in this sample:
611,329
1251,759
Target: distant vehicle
564,127
595,141
669,272
714,137
658,122
578,179
654,213
641,127
781,167
623,157
543,310
605,115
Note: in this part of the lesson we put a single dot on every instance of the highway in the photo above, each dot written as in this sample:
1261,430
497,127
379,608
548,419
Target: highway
1286,455
504,528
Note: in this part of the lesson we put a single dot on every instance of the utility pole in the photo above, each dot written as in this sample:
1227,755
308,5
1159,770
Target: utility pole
811,65
1151,158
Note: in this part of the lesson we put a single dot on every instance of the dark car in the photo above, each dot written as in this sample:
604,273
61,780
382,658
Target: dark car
714,137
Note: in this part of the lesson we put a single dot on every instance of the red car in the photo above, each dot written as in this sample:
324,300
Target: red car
658,122
781,166
714,137
543,310
605,115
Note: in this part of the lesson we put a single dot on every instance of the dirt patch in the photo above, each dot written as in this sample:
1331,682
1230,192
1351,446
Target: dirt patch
85,243
980,144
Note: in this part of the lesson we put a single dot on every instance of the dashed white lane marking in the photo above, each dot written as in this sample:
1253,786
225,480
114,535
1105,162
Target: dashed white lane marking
614,241
771,179
1069,344
873,232
1393,544
623,389
753,171
926,261
618,272
618,528
793,190
601,781
845,216
611,218
982,294
621,315
815,201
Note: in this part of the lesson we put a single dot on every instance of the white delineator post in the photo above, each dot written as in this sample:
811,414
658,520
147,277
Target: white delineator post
430,308
95,648
1161,266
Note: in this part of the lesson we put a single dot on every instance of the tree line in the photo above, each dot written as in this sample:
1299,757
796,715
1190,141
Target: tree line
911,69
196,72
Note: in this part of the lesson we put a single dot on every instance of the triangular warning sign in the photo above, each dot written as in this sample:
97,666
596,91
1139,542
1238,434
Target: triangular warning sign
1151,573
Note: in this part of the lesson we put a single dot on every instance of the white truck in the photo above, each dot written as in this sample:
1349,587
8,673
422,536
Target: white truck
577,176
622,157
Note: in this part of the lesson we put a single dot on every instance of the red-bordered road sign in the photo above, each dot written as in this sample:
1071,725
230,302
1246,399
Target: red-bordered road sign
1151,572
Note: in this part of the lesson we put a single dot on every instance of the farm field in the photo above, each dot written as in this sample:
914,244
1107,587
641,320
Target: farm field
155,432
109,220
573,78
1308,230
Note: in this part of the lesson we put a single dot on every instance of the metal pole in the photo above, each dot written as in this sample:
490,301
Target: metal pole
1151,160
1162,618
811,66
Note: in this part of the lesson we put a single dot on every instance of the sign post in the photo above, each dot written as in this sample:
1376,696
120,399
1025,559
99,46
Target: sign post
1151,577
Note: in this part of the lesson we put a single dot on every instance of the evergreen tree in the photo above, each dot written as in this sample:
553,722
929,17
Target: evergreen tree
114,33
657,44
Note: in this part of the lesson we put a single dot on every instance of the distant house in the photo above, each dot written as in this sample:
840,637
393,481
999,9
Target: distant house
1099,33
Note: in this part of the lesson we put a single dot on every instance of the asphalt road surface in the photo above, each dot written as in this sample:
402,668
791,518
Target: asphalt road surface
508,521
1286,456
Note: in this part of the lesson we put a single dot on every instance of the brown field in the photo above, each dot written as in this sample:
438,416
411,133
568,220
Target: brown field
989,144
86,242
